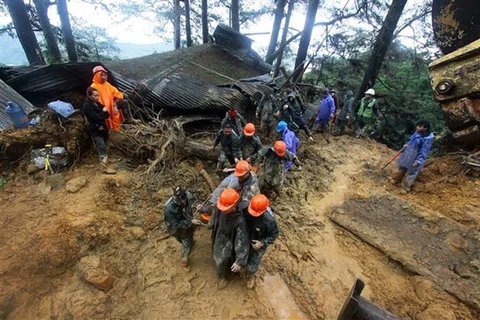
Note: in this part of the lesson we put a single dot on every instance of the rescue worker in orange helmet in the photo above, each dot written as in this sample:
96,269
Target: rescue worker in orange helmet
249,143
229,236
243,180
262,231
110,97
275,159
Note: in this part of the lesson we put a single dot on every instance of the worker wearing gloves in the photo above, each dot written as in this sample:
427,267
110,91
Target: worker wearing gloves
262,230
229,236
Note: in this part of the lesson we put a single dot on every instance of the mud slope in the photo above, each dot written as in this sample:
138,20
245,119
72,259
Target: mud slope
114,226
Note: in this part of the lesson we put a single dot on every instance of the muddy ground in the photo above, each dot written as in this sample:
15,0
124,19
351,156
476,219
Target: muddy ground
111,232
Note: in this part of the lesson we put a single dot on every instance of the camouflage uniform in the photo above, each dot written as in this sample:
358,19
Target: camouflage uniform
246,188
264,111
264,229
230,241
274,169
249,147
237,123
178,220
229,148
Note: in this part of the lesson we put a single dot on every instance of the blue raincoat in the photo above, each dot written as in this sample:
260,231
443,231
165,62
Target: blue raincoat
417,150
292,143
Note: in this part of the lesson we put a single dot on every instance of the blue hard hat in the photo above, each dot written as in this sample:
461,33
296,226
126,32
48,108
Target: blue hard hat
282,125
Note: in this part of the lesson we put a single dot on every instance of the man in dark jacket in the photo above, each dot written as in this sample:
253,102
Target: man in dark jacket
275,159
229,149
292,113
346,114
262,231
179,220
236,121
229,236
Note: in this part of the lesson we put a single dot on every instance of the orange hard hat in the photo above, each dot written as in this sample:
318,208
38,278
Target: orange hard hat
249,129
242,168
258,205
98,69
228,198
280,148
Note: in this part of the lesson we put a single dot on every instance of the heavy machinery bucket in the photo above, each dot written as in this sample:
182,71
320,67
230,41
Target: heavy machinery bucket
456,23
358,308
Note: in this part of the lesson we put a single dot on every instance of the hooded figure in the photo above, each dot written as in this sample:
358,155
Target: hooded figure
109,96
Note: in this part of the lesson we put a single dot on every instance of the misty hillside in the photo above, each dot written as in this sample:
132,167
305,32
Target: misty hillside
11,52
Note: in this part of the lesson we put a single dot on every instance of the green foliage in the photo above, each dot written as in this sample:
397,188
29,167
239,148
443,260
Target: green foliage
403,89
94,44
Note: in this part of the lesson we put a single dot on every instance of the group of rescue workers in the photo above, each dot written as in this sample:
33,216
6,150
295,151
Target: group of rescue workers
238,211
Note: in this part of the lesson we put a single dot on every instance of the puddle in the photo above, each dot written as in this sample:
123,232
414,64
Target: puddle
281,299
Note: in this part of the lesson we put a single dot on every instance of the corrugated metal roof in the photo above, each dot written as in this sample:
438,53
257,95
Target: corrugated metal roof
240,47
8,94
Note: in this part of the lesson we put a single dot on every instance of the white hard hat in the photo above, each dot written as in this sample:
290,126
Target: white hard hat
370,92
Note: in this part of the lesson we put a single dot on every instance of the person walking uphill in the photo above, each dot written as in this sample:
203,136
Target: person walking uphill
110,97
262,230
275,159
179,220
290,139
368,110
264,111
229,236
96,115
326,112
414,155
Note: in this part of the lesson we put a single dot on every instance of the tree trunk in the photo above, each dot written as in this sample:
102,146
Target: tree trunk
305,39
176,24
188,28
24,30
277,21
234,11
205,21
278,63
382,42
62,10
52,46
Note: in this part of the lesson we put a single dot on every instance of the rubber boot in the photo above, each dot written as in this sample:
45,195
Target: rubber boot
250,281
222,283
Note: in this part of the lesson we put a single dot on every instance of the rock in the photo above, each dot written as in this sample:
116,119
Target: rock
31,169
424,289
436,312
76,184
93,271
137,233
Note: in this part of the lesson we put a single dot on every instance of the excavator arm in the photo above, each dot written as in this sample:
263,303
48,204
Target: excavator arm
455,77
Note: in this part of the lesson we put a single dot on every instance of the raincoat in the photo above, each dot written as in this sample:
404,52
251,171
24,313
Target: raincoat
108,94
292,143
417,150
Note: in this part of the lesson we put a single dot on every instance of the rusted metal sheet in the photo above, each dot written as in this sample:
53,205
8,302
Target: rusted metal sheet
8,94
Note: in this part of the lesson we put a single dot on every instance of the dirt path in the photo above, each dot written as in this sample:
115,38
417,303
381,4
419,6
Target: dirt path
306,273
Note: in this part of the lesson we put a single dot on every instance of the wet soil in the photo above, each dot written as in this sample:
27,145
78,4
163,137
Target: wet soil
306,274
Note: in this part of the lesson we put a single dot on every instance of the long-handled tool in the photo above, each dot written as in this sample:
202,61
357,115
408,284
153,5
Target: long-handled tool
393,158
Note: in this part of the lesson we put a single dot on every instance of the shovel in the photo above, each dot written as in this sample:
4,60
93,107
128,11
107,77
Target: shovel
393,158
